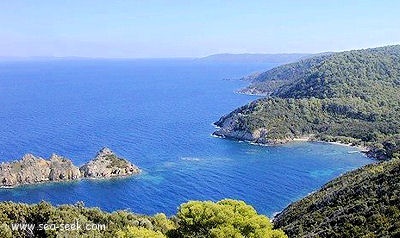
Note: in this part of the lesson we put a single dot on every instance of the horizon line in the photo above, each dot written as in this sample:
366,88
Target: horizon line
163,57
5,57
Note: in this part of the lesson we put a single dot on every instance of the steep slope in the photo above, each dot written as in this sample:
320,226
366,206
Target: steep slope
333,74
351,97
360,73
361,203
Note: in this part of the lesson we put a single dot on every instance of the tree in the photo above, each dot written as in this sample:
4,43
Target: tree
226,218
139,232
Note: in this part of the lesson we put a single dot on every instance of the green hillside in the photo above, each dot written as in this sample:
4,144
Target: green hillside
351,97
361,203
372,74
267,82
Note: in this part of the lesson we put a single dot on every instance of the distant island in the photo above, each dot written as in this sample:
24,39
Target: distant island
33,170
256,58
350,97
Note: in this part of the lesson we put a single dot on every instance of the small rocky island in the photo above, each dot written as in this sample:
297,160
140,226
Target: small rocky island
33,170
106,164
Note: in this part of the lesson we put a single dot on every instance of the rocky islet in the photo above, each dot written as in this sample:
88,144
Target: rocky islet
33,169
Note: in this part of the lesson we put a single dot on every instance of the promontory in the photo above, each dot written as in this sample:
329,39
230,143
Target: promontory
350,97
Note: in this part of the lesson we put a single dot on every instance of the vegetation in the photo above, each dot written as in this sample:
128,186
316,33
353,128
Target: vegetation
134,232
267,82
351,96
116,161
227,218
361,203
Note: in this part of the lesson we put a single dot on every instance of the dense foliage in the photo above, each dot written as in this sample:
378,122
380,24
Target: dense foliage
366,74
227,218
361,203
351,96
44,213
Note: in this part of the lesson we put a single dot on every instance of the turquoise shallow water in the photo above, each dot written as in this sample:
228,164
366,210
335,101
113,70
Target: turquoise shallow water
159,115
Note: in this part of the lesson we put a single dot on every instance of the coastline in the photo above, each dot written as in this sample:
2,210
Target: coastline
310,138
252,94
368,151
362,149
72,180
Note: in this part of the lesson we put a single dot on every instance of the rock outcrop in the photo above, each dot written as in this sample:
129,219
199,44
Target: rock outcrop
106,165
33,169
231,127
62,169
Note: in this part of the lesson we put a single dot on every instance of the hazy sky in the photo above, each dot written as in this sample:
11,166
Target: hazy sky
151,28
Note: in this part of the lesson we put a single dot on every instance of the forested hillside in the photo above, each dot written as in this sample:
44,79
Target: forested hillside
361,203
267,82
351,97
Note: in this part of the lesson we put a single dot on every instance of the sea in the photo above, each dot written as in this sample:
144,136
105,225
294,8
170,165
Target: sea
158,114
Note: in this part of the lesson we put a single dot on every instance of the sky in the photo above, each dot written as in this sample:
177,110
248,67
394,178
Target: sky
160,29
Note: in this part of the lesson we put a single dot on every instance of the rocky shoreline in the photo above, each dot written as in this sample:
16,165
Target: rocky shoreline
233,126
226,129
229,127
32,169
252,91
371,153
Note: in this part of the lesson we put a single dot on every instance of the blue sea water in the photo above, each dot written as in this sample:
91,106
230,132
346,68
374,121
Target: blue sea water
159,115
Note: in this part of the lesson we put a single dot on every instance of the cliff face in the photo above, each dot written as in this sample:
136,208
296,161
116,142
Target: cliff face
106,164
62,169
229,127
32,169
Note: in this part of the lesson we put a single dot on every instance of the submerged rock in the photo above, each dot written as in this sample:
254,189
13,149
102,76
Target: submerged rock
106,164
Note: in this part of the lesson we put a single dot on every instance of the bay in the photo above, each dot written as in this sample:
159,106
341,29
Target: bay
158,113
